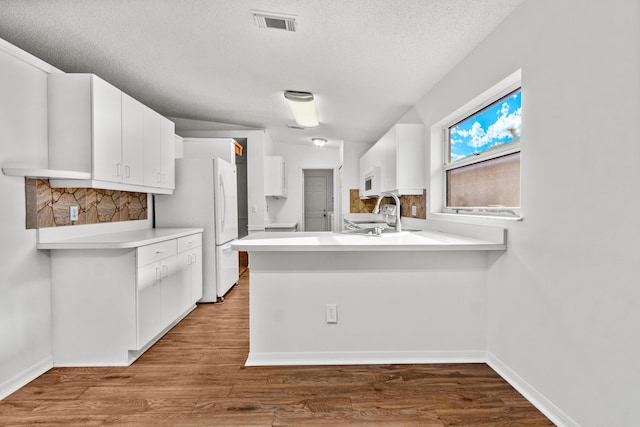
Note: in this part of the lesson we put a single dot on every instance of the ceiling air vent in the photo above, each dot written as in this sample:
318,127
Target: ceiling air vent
279,21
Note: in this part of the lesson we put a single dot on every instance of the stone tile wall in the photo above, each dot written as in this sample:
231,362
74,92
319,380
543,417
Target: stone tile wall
49,207
358,205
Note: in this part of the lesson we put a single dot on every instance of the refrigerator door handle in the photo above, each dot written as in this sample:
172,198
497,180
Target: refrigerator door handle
223,208
227,247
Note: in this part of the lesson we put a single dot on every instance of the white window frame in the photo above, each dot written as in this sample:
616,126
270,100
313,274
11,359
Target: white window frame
440,152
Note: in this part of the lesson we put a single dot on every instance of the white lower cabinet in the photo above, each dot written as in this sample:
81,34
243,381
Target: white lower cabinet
109,305
190,257
149,304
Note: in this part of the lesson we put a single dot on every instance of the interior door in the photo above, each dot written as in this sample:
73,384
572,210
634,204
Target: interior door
226,201
315,203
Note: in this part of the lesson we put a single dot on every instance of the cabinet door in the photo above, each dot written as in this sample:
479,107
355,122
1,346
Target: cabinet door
275,177
195,274
171,288
185,269
132,141
167,154
149,302
107,131
152,135
386,154
410,158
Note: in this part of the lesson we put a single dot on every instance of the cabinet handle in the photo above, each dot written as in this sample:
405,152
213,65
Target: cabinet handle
117,169
165,271
127,172
158,178
194,259
161,251
158,274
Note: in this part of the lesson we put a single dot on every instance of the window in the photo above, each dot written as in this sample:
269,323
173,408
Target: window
482,158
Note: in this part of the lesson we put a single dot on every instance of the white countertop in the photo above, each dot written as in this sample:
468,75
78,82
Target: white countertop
328,241
120,240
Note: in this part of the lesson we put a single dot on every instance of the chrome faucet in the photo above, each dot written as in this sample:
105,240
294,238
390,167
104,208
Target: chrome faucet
376,209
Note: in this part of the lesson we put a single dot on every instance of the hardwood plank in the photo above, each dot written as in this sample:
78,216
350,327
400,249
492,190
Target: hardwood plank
195,376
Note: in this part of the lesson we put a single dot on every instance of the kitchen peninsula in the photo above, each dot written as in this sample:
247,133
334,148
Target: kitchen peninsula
342,298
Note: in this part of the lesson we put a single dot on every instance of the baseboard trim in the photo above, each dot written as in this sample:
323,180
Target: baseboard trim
364,358
23,378
537,399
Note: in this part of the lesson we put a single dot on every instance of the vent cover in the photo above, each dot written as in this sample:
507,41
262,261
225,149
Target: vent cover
279,21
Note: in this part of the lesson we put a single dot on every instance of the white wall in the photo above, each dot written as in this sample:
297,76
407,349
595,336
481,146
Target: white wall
25,286
296,158
563,301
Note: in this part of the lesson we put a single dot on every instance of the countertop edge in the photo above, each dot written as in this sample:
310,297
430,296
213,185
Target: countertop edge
323,242
377,248
94,242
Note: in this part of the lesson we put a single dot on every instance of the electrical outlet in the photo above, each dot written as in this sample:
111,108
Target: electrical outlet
73,213
414,210
332,313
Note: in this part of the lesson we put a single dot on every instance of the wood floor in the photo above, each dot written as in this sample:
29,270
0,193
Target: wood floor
195,376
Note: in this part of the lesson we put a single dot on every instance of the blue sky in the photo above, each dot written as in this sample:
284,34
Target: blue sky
496,125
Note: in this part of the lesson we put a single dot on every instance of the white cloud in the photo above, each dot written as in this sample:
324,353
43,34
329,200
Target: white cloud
504,109
496,131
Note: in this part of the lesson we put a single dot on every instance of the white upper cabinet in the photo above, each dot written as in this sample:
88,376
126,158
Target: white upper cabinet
106,107
275,177
152,146
159,148
167,154
85,125
95,128
132,170
399,161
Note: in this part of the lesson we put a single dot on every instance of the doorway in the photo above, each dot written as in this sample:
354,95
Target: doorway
317,200
243,205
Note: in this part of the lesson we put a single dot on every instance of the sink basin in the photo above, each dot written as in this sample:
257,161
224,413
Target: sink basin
370,232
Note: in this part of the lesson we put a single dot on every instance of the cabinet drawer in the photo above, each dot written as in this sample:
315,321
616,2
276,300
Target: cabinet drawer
188,242
155,252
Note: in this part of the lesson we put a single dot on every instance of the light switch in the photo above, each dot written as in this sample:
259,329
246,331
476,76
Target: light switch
73,213
414,210
332,313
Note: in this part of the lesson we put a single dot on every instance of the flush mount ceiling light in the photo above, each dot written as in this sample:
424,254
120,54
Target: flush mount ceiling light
319,142
303,108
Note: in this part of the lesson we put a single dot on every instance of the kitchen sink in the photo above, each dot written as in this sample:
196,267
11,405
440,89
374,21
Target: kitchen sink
372,233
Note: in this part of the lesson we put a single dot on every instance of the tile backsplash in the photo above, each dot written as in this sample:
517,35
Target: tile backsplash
358,205
49,207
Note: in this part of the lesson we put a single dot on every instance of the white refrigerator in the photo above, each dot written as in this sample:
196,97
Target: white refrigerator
206,196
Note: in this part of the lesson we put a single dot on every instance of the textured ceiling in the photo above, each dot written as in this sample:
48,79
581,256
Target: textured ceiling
366,61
